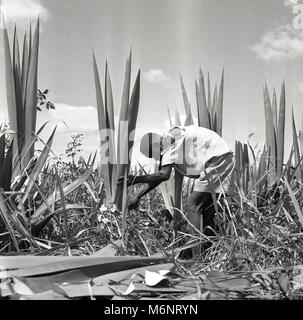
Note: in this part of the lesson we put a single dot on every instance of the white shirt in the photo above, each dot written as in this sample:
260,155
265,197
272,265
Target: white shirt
189,148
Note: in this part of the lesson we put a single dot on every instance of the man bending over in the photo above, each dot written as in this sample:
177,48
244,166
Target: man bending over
194,152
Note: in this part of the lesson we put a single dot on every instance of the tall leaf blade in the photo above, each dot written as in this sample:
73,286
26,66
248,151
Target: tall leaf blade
220,106
281,131
169,117
2,155
132,121
132,117
262,168
18,93
10,84
296,148
134,110
123,134
177,118
31,93
189,119
16,52
214,108
270,138
110,123
178,199
202,104
104,152
25,64
109,102
209,100
275,109
7,168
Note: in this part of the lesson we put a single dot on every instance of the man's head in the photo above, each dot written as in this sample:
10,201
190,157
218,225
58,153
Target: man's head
150,145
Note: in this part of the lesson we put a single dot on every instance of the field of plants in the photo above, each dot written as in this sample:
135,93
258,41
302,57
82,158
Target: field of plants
65,228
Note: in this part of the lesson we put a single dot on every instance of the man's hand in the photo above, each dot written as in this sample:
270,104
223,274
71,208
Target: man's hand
133,204
130,180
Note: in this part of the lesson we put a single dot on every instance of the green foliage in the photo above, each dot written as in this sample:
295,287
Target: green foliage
43,101
74,146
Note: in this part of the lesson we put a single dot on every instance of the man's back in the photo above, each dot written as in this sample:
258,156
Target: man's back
190,148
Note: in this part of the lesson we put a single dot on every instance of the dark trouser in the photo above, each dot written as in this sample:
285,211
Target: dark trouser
200,204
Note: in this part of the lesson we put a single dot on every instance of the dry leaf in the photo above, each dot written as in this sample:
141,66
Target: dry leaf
153,278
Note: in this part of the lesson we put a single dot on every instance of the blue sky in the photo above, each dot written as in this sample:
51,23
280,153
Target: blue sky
253,40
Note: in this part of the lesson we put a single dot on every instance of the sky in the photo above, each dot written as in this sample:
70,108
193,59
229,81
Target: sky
253,40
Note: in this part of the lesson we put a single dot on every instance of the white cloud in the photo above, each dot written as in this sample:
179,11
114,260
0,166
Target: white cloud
290,3
279,44
14,10
80,119
156,76
284,42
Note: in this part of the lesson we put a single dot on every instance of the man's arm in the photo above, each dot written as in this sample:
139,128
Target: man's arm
133,204
151,180
162,175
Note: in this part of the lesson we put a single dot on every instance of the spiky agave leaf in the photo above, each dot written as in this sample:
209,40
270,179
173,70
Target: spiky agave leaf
189,119
301,135
2,157
219,112
18,94
25,63
297,156
169,117
238,163
16,52
281,131
214,109
123,139
124,207
134,110
10,85
275,109
270,137
94,265
132,121
123,136
262,168
245,163
178,199
31,93
215,98
201,103
7,168
209,100
177,118
104,147
110,125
